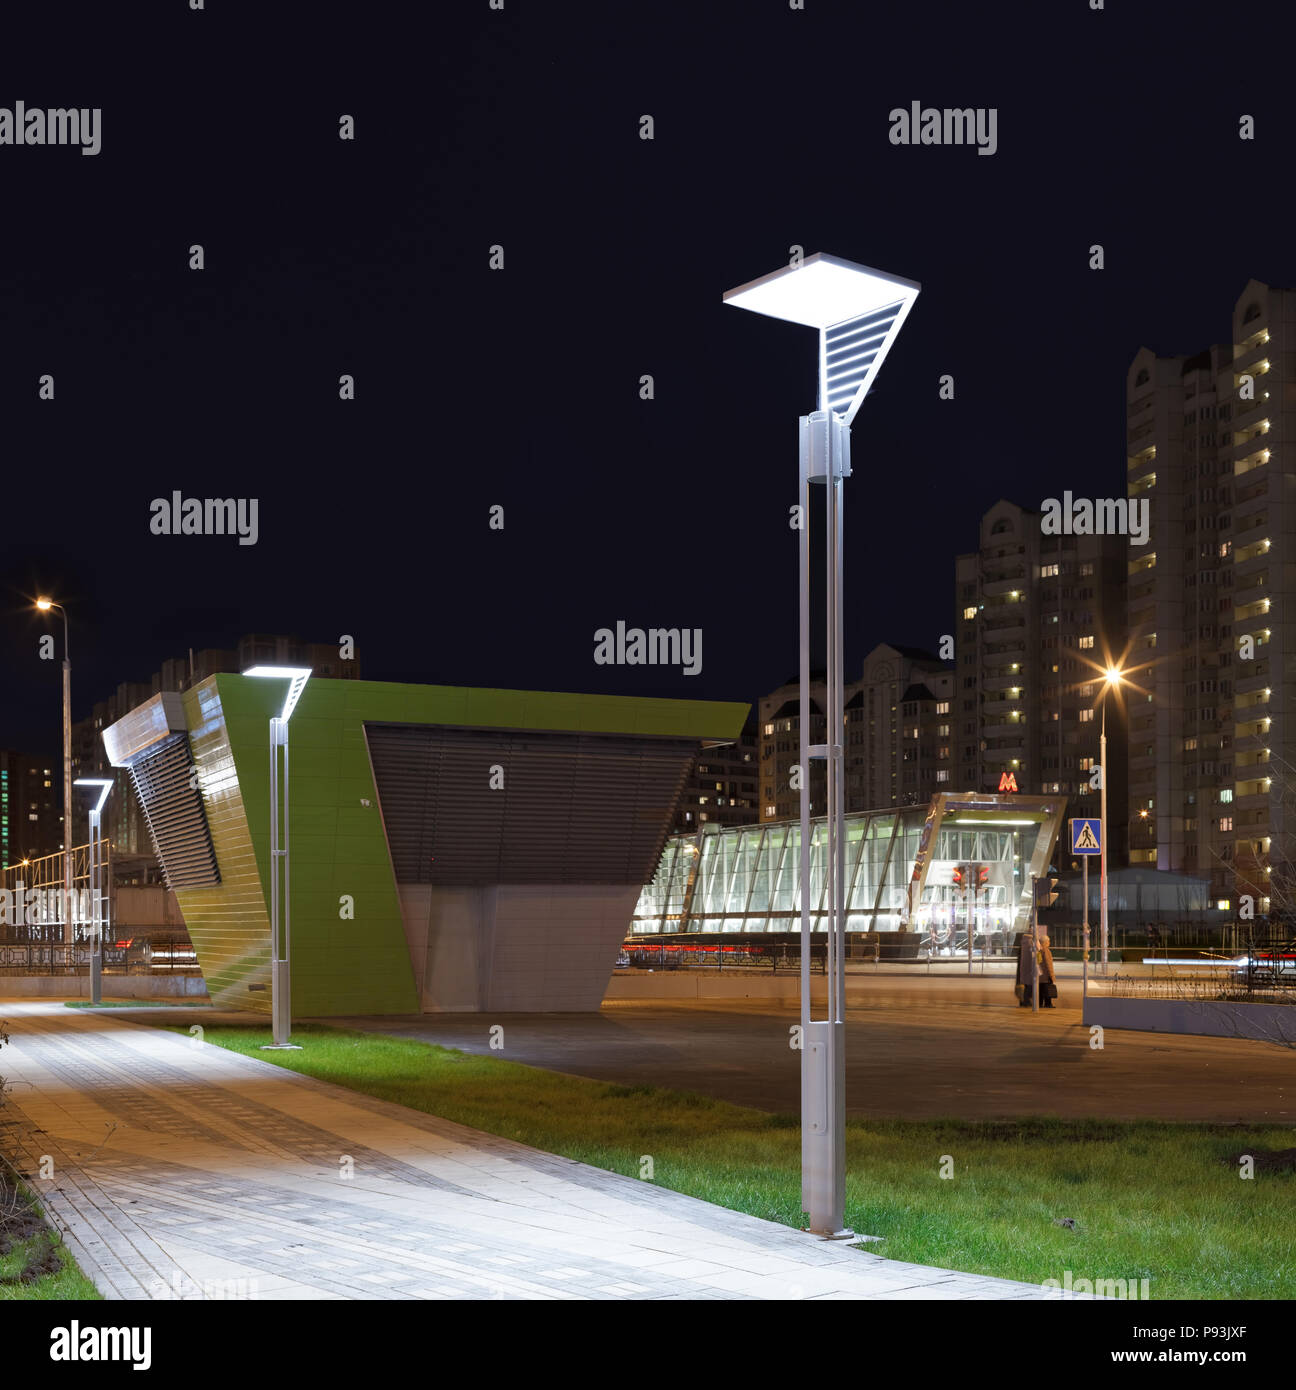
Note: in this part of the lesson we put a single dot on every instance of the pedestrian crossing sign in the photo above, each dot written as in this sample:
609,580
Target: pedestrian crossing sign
1086,836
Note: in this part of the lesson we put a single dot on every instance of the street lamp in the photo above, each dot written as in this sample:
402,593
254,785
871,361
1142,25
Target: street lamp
1111,678
97,913
858,313
280,956
45,605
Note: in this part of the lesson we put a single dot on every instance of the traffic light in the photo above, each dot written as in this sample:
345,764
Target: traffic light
957,878
1046,888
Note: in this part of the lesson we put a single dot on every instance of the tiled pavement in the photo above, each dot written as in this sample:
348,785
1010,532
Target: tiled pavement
184,1170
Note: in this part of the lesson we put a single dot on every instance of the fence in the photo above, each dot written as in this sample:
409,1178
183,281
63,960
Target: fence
1264,971
776,958
160,955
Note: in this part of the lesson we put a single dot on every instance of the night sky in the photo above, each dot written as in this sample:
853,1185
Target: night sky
521,387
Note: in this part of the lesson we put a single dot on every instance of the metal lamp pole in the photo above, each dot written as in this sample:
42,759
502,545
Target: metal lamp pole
1102,897
858,312
45,605
280,900
97,913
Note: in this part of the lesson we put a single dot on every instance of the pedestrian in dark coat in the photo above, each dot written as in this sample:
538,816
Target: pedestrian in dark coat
1027,969
1048,980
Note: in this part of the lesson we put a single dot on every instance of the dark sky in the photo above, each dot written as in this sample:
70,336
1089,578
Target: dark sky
520,387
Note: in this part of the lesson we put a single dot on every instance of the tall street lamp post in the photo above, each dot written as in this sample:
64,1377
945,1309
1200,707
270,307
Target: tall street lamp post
45,605
858,313
281,921
1111,678
97,914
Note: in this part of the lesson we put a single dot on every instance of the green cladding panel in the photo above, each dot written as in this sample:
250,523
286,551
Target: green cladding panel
349,951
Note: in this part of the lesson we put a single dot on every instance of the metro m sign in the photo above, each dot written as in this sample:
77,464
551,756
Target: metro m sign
1007,781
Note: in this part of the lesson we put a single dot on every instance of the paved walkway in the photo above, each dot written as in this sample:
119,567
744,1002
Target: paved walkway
184,1170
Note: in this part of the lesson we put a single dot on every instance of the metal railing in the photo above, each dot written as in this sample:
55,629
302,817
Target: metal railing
158,955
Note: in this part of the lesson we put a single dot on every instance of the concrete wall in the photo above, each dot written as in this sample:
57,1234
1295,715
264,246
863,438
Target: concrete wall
515,948
1212,1018
114,987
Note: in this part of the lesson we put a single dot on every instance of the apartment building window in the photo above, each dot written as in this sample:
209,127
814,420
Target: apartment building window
1085,643
943,707
1049,571
1226,823
1086,716
1086,568
969,613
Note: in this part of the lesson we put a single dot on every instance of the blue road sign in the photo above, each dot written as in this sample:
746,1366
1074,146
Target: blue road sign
1086,836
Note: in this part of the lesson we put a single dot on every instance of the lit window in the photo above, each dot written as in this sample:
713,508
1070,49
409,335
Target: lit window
1085,642
969,613
1086,716
1226,823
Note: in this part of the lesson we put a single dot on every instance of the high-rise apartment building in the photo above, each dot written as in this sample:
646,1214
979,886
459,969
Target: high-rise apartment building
899,729
779,715
897,748
1037,617
723,786
31,806
1212,605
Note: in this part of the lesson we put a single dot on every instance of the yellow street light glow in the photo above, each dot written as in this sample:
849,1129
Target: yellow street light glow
1113,676
44,605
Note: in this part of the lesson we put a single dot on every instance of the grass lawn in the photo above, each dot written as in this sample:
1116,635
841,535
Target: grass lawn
34,1263
139,1004
1151,1200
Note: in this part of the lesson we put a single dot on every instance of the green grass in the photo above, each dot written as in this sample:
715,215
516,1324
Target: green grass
1151,1199
139,1004
31,1248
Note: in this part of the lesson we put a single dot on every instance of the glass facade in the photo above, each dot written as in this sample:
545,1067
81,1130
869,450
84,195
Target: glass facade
984,853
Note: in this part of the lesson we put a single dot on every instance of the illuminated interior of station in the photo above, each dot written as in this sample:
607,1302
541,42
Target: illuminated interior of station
925,869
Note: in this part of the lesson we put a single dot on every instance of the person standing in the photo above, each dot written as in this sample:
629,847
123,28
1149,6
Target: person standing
1047,979
1027,969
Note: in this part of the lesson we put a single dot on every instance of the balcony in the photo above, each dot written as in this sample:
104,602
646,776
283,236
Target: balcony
1005,728
1249,529
1007,584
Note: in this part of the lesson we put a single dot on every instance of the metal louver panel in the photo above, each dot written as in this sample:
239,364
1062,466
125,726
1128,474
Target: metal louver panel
850,350
574,807
173,808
